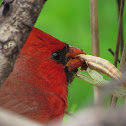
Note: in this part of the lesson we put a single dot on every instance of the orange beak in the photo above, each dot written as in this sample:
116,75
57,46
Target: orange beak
73,62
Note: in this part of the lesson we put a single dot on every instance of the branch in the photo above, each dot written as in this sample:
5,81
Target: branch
94,37
114,99
17,17
111,51
123,58
121,36
88,117
119,33
98,117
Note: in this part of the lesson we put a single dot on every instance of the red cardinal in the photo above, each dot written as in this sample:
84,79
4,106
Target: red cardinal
37,87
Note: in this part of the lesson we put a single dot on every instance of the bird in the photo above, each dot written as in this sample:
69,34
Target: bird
37,86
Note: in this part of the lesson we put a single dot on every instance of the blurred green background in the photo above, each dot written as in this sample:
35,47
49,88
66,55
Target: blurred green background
69,21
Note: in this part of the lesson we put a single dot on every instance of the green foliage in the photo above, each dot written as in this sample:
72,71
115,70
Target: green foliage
69,21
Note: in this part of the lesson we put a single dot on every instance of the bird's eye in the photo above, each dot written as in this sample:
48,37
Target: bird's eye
56,56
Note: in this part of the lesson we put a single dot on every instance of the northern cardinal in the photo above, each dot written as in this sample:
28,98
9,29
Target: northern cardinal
37,87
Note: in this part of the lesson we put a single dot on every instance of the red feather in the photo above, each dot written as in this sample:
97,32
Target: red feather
37,87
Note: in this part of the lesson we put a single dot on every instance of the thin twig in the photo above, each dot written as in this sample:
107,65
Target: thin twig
123,58
121,36
119,33
111,51
69,114
94,38
114,99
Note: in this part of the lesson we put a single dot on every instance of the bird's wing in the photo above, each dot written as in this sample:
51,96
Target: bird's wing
28,101
22,100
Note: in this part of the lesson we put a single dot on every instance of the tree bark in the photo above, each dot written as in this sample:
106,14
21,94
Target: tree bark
17,17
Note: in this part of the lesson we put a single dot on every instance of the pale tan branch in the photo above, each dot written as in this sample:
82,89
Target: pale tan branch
94,37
